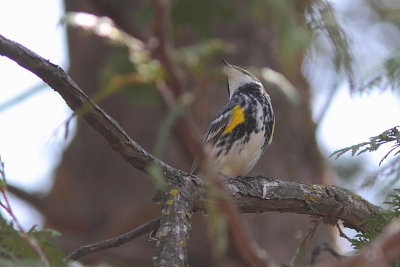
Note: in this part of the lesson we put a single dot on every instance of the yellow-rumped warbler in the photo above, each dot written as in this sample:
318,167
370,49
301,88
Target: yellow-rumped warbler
239,134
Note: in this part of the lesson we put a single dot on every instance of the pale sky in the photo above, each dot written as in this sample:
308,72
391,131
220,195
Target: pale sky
31,139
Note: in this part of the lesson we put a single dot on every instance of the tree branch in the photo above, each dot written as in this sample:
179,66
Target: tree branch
34,199
241,242
261,194
175,222
116,241
79,102
256,194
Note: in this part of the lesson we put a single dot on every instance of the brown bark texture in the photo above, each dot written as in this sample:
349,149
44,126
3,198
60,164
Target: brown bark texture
184,192
97,195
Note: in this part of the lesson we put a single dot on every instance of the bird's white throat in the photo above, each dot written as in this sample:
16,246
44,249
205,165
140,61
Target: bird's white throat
237,79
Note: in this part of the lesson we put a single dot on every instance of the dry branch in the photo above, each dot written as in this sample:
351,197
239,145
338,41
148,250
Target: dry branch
79,102
256,194
115,241
175,223
261,194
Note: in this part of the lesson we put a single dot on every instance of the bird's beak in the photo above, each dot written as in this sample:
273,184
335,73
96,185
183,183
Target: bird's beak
227,68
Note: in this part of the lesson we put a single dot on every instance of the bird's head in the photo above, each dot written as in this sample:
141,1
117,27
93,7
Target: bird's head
238,77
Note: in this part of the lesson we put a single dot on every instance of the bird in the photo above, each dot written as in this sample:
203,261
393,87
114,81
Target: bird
241,131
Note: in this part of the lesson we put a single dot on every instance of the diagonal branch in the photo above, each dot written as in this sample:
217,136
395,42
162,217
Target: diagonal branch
115,241
32,198
256,194
79,102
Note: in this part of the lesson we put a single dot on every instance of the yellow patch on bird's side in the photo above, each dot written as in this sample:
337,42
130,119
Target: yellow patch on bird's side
272,132
237,117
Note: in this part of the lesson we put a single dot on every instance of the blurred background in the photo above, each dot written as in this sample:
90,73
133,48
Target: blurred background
341,58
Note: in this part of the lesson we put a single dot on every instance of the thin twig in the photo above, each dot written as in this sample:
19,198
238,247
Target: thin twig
31,198
7,207
115,241
315,222
76,99
382,251
284,196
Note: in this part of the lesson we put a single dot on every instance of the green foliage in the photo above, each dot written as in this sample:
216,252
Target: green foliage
391,136
392,67
20,248
16,251
21,263
378,222
385,75
12,245
374,225
120,74
51,250
147,69
322,20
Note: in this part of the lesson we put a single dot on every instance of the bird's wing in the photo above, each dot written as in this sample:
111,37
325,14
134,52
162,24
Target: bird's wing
216,129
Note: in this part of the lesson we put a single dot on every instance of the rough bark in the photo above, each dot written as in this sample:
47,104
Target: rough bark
293,154
262,194
183,192
115,241
91,169
175,223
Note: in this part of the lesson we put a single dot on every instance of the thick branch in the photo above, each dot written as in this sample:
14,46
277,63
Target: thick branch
175,222
78,101
253,195
260,194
